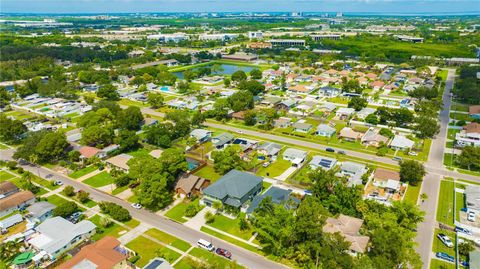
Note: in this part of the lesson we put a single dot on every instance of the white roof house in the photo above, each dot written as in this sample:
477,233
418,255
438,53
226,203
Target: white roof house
295,156
201,135
362,114
322,162
57,235
401,142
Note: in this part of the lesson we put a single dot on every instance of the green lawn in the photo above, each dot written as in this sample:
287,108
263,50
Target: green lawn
133,199
448,160
445,212
83,171
148,249
438,246
459,107
412,193
209,173
5,176
128,102
168,239
178,211
438,264
213,258
119,190
139,153
460,116
99,180
266,185
231,226
114,229
90,203
275,169
56,200
451,133
132,223
460,203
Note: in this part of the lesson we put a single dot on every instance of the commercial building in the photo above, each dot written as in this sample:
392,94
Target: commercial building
287,42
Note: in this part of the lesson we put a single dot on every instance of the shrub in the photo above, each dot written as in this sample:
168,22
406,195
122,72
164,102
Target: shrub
122,180
66,209
243,224
12,165
191,210
209,217
105,222
83,196
69,191
115,211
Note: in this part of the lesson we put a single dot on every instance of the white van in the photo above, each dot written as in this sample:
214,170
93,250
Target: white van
205,244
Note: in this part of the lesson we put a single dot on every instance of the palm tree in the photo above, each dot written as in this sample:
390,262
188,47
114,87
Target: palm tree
8,250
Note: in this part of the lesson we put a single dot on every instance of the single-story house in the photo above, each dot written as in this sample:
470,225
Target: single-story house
302,127
107,150
239,115
354,171
233,189
279,196
344,112
48,238
328,91
349,134
349,228
87,152
222,139
322,162
201,135
40,211
387,179
469,136
104,254
270,101
282,122
327,107
472,198
269,148
188,184
372,137
474,111
295,156
245,144
325,130
7,188
400,142
119,162
286,104
16,201
362,114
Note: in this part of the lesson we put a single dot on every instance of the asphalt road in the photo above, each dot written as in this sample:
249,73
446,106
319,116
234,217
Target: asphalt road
242,256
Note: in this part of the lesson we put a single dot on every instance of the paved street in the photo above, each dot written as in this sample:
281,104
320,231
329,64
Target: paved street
244,257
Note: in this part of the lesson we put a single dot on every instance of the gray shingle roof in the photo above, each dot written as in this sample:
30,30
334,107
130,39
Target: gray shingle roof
222,139
235,184
278,195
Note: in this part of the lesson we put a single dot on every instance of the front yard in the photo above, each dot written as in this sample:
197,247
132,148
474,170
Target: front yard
99,180
148,249
445,212
83,171
168,239
177,213
231,226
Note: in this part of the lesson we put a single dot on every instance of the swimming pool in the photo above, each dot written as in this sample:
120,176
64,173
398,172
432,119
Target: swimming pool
192,164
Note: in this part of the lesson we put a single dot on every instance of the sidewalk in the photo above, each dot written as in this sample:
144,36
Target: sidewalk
134,233
199,220
287,173
234,237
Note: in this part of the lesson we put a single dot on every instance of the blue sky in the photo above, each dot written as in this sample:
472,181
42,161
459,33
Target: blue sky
113,6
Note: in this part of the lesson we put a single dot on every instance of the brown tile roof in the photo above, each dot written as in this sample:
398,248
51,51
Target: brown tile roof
6,187
349,228
15,200
102,253
188,182
88,152
384,174
347,132
298,88
472,127
377,83
474,109
120,161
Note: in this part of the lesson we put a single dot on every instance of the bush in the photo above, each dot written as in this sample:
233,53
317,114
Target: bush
66,209
191,210
69,191
122,180
134,259
105,222
382,151
12,165
83,196
115,211
244,224
209,217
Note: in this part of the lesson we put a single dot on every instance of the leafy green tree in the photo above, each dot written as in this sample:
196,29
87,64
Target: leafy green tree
108,92
102,116
372,119
427,127
411,172
130,119
252,86
256,74
174,162
128,140
239,76
74,156
198,118
4,97
466,247
160,135
11,130
357,103
83,196
98,136
65,209
469,158
51,147
250,118
69,191
115,211
228,159
155,100
227,82
241,100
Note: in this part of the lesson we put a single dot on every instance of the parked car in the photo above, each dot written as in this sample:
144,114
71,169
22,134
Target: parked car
240,131
412,153
223,252
445,256
398,159
266,164
58,182
342,152
76,214
49,176
462,230
471,216
330,150
137,206
202,243
445,240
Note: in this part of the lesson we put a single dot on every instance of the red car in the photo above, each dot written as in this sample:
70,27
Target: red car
223,252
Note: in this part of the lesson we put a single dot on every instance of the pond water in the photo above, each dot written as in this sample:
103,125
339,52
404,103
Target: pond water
227,69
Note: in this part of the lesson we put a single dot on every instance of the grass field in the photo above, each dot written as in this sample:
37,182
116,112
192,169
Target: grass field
209,173
83,171
445,212
459,203
412,193
114,229
56,200
99,180
4,175
212,258
178,211
231,226
438,264
438,246
168,239
148,249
